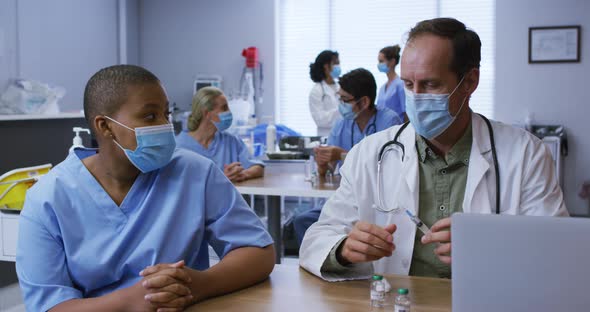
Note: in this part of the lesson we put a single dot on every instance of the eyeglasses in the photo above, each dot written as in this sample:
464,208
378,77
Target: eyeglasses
351,101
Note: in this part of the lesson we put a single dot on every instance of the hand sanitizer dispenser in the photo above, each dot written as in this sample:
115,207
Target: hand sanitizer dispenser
77,142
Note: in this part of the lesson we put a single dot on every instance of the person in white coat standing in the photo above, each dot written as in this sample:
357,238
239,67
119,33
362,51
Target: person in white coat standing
323,100
442,162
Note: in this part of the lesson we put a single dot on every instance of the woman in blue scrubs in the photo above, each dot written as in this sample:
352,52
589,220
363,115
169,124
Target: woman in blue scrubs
391,94
206,135
125,227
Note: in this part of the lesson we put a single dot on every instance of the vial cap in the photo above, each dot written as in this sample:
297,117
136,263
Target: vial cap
377,277
402,291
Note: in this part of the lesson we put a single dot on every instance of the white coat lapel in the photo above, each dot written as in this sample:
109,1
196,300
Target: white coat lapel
477,195
400,177
409,168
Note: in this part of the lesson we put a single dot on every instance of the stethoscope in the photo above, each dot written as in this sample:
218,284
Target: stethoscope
323,92
390,145
372,125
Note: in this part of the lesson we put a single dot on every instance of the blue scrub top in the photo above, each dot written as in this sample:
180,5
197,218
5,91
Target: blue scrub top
343,129
394,97
75,242
225,149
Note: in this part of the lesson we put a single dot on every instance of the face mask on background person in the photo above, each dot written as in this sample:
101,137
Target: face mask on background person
383,67
336,71
345,110
225,121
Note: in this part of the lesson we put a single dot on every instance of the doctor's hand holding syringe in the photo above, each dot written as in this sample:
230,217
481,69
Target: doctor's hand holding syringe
369,242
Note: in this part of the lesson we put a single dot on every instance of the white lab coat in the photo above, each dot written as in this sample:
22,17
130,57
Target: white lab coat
528,185
323,105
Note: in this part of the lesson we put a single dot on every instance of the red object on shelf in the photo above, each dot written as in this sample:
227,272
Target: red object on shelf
251,55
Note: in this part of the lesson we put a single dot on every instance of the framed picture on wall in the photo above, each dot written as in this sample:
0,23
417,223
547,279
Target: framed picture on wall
554,44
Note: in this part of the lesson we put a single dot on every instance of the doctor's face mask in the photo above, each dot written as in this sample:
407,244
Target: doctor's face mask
432,86
429,112
155,146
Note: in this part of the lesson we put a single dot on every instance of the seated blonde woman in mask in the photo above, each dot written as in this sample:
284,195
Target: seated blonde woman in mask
206,135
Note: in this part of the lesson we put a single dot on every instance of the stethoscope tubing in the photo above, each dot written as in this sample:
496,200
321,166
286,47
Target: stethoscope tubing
389,145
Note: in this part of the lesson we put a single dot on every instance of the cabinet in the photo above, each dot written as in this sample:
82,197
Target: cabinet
8,236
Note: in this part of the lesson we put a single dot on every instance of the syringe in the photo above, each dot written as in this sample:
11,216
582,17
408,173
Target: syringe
421,226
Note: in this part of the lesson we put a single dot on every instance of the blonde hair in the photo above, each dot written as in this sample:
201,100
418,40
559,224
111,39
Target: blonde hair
204,99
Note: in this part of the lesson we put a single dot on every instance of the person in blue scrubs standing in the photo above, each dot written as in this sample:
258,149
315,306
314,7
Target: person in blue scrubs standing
360,118
125,227
391,94
209,119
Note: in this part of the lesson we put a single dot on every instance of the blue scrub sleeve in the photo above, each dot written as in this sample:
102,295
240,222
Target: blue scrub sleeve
230,223
380,103
41,265
244,156
335,134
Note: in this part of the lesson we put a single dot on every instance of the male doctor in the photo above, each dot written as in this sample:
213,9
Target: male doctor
445,166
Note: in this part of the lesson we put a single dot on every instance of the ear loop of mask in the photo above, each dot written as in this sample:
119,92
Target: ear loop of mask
211,119
207,111
464,99
122,125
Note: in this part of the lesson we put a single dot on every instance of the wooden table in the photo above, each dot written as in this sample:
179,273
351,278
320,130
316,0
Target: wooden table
290,288
274,185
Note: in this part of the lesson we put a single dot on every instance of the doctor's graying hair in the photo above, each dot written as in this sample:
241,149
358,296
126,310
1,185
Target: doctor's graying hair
466,44
359,82
204,99
106,90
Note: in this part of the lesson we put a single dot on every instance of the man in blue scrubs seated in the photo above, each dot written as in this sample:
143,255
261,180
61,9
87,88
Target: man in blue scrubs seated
126,227
209,119
360,118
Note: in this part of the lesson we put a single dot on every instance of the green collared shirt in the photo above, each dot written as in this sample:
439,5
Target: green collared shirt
442,189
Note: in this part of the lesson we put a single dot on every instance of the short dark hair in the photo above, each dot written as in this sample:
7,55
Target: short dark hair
391,52
106,90
316,69
466,44
359,82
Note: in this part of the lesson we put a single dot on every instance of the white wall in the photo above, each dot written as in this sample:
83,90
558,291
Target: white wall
64,42
554,93
181,38
131,29
8,48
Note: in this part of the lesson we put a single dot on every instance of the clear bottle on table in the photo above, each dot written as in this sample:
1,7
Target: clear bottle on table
329,178
402,301
377,291
310,169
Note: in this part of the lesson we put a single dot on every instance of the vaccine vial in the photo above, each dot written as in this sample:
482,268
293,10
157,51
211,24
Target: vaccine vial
329,177
308,168
402,301
377,291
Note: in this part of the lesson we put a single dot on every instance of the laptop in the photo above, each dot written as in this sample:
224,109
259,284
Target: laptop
520,263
